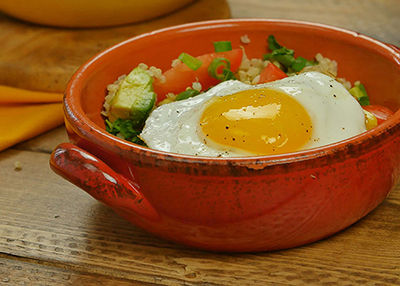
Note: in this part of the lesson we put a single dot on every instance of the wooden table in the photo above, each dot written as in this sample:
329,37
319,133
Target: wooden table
52,233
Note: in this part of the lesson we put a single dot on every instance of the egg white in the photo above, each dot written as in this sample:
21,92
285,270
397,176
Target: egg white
334,113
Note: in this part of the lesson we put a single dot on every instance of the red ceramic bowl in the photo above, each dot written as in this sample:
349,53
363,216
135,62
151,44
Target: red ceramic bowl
247,204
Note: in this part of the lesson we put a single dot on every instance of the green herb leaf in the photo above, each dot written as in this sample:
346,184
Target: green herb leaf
186,94
299,64
125,128
272,43
228,75
285,57
282,55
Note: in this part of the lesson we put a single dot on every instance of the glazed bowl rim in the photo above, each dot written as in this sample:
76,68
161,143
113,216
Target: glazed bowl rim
100,136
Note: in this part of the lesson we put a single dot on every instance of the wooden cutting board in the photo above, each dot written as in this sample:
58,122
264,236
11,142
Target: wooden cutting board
44,58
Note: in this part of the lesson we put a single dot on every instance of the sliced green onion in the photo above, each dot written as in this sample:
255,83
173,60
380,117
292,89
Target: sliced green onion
222,46
190,61
360,94
217,66
186,94
228,75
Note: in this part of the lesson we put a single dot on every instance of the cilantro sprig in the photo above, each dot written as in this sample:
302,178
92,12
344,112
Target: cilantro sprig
285,57
125,128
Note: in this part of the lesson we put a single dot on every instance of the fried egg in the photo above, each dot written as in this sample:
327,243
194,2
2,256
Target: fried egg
235,119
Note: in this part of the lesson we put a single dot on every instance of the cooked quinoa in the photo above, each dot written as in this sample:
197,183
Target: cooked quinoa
248,72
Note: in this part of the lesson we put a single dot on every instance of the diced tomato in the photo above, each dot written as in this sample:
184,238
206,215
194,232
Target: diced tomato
178,78
381,113
271,73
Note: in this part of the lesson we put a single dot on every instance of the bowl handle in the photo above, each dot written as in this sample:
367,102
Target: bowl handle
99,180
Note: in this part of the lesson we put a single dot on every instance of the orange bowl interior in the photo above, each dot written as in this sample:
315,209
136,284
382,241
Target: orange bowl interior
359,57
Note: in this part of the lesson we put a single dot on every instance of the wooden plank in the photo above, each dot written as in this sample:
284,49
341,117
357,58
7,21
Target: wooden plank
45,218
355,15
44,58
25,272
46,142
52,233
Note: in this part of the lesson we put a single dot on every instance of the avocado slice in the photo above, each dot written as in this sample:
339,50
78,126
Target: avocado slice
360,94
134,99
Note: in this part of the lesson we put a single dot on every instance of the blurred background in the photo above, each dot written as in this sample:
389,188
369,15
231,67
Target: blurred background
376,18
42,57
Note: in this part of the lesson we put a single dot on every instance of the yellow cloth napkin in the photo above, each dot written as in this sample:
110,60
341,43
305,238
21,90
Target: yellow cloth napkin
25,114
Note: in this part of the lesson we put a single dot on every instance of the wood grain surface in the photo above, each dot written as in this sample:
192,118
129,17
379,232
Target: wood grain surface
375,18
44,58
52,233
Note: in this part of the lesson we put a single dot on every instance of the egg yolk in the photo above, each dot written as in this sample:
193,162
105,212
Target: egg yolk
259,121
